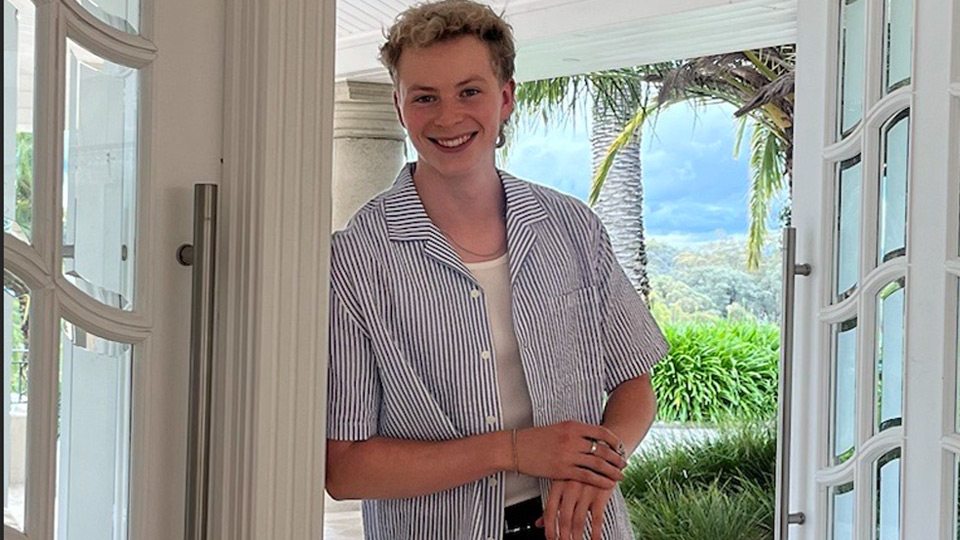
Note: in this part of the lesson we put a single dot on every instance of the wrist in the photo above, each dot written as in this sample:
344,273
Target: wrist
503,451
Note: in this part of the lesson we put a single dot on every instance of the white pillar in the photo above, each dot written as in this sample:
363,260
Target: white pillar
368,146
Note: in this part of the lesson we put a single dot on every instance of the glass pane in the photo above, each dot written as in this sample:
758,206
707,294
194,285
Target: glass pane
16,347
888,496
898,26
893,189
888,366
844,390
100,177
957,501
121,14
93,461
18,51
852,44
848,227
841,512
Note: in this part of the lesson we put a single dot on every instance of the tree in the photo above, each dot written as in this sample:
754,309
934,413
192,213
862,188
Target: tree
759,83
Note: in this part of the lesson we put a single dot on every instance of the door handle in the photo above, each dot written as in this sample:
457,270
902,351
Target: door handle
782,517
201,255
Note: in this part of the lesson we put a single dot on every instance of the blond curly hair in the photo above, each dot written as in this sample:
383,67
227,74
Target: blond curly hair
431,22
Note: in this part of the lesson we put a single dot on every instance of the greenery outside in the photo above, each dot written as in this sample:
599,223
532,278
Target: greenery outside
719,489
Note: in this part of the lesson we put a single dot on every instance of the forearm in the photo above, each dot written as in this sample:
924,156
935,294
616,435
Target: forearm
630,411
382,468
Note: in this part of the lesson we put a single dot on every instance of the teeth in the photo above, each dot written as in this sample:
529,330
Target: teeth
450,143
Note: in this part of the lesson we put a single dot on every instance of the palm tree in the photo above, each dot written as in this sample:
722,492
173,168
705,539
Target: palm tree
758,83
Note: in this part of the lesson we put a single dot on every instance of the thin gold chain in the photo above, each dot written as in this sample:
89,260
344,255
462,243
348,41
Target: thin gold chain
497,251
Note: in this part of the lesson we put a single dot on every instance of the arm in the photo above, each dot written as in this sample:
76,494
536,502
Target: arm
383,468
630,411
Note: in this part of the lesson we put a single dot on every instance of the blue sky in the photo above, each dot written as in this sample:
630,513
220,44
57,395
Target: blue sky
694,188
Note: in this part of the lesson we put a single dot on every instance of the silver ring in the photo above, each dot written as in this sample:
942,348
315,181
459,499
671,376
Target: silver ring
593,447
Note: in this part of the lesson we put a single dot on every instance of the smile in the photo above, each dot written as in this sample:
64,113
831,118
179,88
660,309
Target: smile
453,143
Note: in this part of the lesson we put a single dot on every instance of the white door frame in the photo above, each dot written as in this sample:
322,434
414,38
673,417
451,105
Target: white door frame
269,411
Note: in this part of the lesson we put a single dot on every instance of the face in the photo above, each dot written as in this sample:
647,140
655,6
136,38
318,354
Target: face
452,103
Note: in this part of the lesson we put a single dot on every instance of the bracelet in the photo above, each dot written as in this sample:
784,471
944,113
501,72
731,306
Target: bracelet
516,458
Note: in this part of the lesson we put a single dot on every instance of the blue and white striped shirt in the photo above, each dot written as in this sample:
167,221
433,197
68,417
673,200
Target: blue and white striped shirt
411,350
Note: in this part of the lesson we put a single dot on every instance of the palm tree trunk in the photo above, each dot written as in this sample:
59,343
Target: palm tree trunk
620,204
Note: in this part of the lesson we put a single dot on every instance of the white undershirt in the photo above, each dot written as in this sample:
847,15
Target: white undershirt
515,406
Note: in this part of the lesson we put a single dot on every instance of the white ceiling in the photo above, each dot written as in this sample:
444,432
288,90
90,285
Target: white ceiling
565,37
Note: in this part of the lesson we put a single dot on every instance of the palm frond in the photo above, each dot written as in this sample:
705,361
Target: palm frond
766,180
626,135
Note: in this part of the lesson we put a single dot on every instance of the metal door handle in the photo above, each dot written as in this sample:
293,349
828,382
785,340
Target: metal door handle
782,517
202,257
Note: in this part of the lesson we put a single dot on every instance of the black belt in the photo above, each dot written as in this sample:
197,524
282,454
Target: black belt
520,520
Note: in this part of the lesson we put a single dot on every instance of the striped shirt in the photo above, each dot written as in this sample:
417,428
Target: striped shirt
411,353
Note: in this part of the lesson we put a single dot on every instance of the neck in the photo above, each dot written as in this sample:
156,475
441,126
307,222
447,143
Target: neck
452,202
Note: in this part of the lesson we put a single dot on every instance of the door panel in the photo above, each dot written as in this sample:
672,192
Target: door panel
876,208
122,115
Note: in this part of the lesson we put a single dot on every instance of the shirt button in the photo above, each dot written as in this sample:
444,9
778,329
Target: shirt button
485,355
475,293
493,482
491,420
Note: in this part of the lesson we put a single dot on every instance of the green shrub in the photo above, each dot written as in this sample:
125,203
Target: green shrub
713,490
718,371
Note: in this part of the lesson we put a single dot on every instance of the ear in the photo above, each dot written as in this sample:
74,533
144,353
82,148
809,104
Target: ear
396,107
509,95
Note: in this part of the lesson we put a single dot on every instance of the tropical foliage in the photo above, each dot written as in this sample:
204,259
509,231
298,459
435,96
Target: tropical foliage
722,488
718,372
758,83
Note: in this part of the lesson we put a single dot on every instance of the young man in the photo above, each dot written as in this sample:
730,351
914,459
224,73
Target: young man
478,321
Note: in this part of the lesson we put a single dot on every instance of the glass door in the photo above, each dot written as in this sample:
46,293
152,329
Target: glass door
112,111
877,210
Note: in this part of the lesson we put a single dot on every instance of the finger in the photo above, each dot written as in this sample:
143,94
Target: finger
580,515
590,477
599,466
603,434
568,502
596,519
605,453
550,511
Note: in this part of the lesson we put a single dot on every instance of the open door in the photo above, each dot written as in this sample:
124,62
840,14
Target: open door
874,442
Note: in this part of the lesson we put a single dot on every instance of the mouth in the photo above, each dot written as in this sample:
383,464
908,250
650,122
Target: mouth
454,143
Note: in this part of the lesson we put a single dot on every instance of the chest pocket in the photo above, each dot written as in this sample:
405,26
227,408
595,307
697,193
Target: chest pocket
576,345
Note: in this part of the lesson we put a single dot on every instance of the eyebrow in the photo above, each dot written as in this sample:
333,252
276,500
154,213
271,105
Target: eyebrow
421,88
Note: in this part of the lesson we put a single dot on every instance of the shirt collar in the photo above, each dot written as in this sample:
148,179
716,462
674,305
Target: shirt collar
407,219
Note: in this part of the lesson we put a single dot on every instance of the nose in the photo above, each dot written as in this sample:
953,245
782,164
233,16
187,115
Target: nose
450,114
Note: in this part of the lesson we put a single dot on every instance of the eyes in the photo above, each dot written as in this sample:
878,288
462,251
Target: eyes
466,93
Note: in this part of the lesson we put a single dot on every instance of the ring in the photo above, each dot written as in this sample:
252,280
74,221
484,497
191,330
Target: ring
593,447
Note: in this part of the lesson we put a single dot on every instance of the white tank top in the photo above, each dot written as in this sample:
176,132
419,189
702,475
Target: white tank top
515,406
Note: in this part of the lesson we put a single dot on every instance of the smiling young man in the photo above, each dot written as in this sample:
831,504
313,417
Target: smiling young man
478,321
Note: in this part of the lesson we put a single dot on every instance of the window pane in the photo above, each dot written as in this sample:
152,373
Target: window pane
888,365
121,14
898,28
848,227
16,347
887,500
844,390
18,52
94,450
841,512
893,189
852,44
100,177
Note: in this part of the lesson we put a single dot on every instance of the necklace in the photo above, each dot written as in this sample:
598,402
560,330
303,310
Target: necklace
495,252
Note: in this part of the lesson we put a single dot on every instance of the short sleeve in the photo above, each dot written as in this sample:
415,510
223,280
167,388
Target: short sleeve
353,385
632,343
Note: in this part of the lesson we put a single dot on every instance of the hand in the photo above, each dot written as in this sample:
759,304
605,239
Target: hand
571,451
569,505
